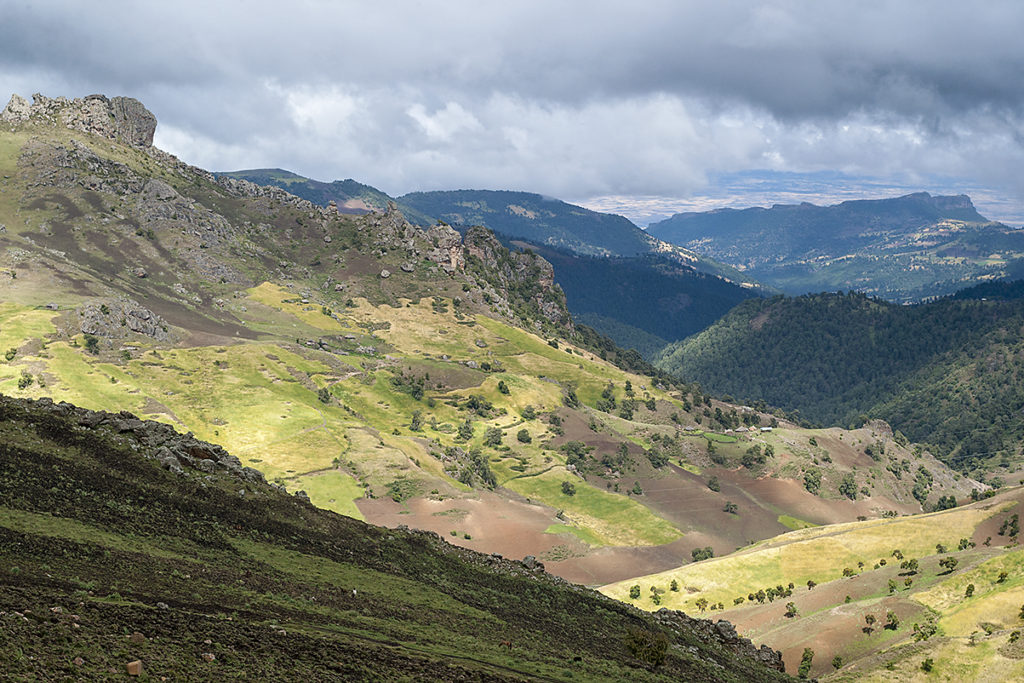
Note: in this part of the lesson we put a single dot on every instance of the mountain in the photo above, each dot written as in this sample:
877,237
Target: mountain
126,544
349,195
902,249
403,376
946,373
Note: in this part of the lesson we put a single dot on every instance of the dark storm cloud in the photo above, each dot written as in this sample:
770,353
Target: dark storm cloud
571,98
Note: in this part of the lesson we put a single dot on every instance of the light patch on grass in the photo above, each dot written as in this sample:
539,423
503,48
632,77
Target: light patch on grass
691,468
614,519
583,534
333,490
281,299
794,523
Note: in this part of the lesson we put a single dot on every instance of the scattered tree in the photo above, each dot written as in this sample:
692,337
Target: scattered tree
970,590
634,592
804,670
837,662
674,586
714,484
523,436
705,553
731,507
892,622
791,610
949,563
568,488
811,583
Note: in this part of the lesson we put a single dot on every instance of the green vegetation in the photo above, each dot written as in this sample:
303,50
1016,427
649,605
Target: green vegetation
944,373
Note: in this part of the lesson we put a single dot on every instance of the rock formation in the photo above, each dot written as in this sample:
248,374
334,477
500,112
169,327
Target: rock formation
120,118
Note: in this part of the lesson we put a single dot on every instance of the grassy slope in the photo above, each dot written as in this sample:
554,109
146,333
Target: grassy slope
95,536
832,625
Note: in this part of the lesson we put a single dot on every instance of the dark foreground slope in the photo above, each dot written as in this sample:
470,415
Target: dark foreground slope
122,540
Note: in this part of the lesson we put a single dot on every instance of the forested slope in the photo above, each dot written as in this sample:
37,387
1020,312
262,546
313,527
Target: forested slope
947,373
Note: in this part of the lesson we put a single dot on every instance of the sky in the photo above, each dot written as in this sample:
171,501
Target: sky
644,108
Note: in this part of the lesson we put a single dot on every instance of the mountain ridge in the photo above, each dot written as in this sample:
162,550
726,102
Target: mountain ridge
903,249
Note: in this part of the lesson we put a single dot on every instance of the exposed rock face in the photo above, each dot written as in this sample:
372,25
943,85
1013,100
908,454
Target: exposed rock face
120,118
447,249
115,318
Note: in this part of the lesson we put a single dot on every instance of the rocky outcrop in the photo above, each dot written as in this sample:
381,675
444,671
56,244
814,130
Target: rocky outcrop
116,318
158,441
723,632
119,118
517,278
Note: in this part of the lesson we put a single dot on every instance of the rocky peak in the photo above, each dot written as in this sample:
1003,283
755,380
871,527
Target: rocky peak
119,118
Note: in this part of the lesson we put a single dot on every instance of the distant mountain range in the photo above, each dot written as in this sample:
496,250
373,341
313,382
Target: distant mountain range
903,249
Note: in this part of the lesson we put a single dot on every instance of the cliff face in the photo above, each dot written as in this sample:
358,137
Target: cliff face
119,118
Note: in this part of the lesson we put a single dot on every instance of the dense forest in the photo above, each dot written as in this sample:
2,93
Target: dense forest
949,373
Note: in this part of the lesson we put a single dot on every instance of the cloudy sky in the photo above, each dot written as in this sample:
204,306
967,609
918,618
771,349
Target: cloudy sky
644,107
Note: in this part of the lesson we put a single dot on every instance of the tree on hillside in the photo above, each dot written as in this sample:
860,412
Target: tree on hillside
791,610
869,620
568,488
804,670
892,622
848,486
704,553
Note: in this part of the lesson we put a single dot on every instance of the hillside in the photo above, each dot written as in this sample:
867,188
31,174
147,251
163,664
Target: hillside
901,249
396,374
872,600
126,544
944,373
349,195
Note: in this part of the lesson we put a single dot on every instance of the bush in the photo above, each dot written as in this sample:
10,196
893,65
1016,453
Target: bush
647,646
523,436
634,592
714,484
568,488
11,353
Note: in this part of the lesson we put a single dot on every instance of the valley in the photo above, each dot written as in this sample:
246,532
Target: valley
431,383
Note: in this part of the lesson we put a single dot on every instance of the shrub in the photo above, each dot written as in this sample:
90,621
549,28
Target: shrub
568,488
523,436
634,592
714,484
647,646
